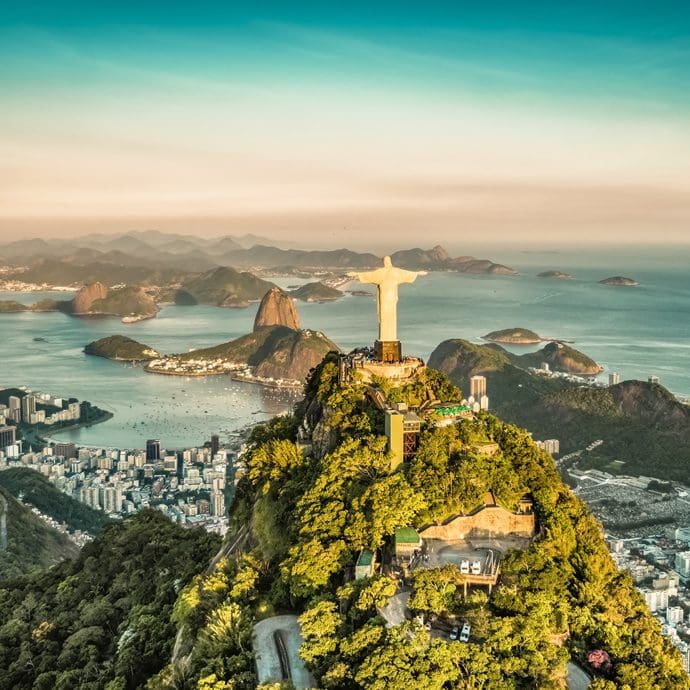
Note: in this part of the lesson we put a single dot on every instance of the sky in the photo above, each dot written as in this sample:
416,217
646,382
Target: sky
335,122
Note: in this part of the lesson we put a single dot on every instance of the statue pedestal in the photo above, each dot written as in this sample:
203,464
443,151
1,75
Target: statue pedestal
388,350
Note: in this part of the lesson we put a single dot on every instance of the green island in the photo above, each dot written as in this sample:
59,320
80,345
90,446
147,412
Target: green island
515,336
120,348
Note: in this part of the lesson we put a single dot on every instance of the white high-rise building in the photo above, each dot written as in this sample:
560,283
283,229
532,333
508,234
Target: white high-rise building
657,600
477,386
218,504
674,615
614,378
683,564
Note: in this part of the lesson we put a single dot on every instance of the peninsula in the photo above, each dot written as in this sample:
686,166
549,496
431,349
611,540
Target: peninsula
277,353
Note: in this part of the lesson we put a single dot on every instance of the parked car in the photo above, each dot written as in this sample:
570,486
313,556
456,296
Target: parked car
454,633
465,633
476,567
465,566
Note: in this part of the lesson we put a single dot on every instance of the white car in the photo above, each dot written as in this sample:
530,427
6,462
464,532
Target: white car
465,567
465,633
476,567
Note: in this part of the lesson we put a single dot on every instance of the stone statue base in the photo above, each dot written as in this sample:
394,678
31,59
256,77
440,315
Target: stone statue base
388,351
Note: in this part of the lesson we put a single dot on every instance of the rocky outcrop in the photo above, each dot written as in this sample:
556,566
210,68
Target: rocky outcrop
290,354
84,299
277,309
620,281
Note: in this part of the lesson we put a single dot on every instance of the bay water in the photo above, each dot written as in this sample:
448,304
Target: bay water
637,332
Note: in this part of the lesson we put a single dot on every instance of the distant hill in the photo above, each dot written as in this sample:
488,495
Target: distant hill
507,381
39,492
225,287
642,424
76,273
97,299
129,300
438,259
316,292
267,257
12,307
122,348
31,544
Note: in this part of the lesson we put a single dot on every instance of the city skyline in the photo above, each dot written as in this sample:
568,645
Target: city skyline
333,122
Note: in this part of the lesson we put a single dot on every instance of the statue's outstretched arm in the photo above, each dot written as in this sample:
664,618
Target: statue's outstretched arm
403,276
370,277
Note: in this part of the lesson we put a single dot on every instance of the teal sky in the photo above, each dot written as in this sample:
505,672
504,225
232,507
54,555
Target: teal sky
508,119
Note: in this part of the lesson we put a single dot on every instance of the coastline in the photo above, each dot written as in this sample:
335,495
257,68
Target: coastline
38,435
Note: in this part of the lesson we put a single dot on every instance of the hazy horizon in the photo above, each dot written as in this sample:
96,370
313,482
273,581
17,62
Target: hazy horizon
335,124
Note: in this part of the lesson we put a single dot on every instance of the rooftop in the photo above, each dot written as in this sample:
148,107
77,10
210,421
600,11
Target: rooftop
407,535
365,558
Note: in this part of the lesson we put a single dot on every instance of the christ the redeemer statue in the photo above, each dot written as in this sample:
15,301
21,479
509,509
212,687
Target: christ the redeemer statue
387,280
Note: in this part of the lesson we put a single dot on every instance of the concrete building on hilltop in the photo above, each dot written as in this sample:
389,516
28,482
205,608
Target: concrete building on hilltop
488,520
402,431
406,542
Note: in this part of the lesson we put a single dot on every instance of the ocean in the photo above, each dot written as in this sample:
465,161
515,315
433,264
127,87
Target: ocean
638,332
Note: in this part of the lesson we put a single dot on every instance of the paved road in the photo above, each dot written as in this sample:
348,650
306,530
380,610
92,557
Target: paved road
268,665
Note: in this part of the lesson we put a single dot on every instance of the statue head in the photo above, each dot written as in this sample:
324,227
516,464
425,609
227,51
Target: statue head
387,261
